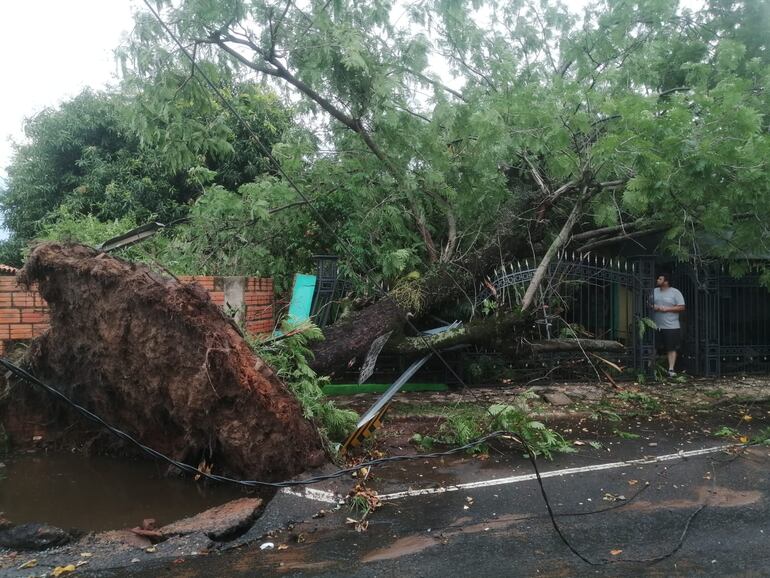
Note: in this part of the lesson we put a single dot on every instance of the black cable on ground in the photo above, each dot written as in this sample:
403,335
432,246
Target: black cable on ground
28,377
605,562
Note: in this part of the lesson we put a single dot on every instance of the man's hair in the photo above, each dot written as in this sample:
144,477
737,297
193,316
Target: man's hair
666,277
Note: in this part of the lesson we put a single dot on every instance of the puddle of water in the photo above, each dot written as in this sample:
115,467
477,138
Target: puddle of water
100,493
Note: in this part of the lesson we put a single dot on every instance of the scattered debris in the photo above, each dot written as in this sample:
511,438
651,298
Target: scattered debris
219,523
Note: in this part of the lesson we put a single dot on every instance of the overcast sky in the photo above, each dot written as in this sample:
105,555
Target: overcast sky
50,50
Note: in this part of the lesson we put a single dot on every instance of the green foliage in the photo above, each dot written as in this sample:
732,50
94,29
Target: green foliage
424,442
644,324
726,432
646,403
761,437
412,175
289,358
113,158
463,425
517,418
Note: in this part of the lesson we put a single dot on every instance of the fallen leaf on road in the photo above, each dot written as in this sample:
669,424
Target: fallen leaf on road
744,439
29,564
747,418
615,552
633,482
608,497
579,443
59,570
283,547
85,554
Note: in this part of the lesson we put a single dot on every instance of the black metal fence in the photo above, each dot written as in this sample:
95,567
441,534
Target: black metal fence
725,326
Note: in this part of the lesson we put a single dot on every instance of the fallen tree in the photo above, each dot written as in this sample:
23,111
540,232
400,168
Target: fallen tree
159,360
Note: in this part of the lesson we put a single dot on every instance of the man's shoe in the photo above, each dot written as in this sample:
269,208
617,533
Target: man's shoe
671,373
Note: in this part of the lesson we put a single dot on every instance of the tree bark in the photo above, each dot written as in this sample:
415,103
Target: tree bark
346,342
499,331
560,240
555,345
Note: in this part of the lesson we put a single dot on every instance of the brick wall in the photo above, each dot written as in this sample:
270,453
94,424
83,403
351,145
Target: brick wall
24,314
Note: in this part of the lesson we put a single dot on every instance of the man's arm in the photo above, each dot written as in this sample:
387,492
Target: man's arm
672,309
678,307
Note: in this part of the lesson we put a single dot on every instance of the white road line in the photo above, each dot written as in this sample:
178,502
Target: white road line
314,494
556,473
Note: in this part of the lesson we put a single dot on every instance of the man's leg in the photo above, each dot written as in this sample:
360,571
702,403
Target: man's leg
671,355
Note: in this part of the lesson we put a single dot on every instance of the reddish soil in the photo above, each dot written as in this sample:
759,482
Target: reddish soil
158,359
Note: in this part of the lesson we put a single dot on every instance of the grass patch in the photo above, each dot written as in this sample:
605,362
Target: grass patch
644,402
463,424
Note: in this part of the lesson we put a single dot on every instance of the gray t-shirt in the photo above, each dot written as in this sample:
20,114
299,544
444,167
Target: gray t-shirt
667,298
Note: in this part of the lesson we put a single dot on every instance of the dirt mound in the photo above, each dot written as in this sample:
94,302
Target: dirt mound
159,360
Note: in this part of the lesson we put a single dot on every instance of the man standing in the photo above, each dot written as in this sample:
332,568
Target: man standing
668,303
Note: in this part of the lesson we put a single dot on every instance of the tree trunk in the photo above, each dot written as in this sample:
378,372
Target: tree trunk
555,345
498,331
346,342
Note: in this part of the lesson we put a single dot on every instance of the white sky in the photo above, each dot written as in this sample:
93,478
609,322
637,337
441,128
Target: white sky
50,50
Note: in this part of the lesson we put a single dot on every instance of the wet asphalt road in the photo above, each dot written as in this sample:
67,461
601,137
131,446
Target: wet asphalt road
714,508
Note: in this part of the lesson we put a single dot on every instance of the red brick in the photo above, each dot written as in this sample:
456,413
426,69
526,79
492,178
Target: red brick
10,316
6,299
5,331
30,316
21,331
206,282
217,297
23,299
8,282
259,327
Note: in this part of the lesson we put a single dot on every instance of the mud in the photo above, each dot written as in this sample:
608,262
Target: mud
156,358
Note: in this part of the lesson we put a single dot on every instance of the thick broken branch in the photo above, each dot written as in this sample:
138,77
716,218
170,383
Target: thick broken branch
556,345
612,240
560,240
592,234
499,330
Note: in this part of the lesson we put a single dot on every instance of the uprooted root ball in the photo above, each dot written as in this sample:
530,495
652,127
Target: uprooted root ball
159,360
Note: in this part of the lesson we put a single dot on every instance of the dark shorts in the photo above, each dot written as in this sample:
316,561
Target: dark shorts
668,339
